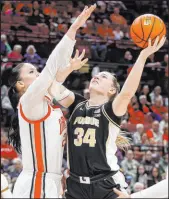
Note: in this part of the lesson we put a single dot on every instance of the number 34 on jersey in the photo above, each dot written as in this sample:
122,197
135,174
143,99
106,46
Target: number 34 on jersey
88,137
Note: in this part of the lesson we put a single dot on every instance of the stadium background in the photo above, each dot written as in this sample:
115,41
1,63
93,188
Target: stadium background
29,32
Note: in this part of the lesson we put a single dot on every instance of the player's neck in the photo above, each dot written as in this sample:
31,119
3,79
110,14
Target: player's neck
96,100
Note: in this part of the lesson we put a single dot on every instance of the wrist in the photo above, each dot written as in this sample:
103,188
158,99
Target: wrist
143,55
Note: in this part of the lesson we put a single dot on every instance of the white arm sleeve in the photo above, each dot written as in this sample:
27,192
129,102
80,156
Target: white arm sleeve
159,190
33,103
5,192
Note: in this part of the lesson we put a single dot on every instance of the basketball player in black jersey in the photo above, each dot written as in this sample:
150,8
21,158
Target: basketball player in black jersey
93,128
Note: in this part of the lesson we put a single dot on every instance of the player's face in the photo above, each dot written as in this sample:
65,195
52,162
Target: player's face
28,74
102,83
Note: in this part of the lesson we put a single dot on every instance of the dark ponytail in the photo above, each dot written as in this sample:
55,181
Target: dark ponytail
13,133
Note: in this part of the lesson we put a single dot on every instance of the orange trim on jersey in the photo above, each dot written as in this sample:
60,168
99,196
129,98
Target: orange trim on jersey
47,98
35,121
39,160
55,106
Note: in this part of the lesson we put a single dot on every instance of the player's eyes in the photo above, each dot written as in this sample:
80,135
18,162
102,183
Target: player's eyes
31,71
104,76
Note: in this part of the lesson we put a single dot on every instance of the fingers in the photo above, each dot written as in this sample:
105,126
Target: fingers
149,42
77,54
156,41
161,42
82,55
89,10
84,61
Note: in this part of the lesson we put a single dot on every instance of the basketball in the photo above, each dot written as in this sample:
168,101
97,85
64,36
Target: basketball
147,26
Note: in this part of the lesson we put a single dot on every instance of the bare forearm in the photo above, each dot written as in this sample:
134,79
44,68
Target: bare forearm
132,82
63,74
71,33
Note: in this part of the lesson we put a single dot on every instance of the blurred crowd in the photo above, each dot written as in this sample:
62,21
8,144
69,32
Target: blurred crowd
146,121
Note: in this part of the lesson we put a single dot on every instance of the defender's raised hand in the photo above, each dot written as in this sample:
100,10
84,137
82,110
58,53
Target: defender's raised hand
82,18
76,63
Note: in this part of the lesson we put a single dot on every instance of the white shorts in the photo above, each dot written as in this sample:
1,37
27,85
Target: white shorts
39,185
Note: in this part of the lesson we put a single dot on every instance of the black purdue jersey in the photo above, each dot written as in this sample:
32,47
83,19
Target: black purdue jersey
92,132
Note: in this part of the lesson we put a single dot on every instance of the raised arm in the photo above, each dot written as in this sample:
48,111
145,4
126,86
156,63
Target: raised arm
130,86
34,96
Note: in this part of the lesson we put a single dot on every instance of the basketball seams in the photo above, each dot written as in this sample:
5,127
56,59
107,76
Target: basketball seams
158,34
142,28
150,32
140,34
137,36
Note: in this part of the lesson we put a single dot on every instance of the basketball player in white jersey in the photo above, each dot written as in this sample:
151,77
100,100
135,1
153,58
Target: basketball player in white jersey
93,130
5,191
159,190
40,132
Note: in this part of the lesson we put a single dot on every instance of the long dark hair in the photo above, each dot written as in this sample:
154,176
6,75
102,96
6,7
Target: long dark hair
13,133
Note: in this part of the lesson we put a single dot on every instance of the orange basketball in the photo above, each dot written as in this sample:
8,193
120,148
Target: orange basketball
146,26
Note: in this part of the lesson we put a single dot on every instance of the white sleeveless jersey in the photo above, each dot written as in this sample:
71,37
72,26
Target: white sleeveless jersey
43,141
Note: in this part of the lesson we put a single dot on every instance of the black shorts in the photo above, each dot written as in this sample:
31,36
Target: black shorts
99,189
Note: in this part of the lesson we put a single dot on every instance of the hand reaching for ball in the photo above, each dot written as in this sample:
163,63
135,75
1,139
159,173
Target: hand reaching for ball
153,48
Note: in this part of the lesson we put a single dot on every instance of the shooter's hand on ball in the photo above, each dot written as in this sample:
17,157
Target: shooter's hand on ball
153,48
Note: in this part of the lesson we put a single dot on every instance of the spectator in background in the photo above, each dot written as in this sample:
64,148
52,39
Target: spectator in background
144,139
163,122
155,177
165,135
155,94
104,30
116,17
154,135
138,187
165,62
50,9
118,33
16,53
89,29
36,6
129,166
7,151
143,104
159,109
138,134
136,116
24,8
128,58
31,56
3,49
148,163
5,42
165,82
146,91
7,8
36,18
163,164
141,175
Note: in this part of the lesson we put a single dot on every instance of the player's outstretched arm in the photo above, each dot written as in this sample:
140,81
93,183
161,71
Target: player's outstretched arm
131,84
59,58
57,91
